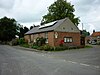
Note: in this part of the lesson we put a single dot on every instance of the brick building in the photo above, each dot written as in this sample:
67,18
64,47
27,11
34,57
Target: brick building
95,37
57,32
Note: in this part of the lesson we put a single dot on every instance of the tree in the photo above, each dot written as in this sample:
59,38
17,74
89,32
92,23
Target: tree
23,30
58,10
21,33
8,29
26,29
85,33
31,27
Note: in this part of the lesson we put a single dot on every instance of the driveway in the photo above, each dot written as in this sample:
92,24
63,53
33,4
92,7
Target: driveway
17,61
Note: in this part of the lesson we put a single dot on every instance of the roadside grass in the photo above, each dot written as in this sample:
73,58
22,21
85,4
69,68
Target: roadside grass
25,45
88,46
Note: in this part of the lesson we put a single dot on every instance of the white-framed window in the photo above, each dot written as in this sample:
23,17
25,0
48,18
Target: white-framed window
68,39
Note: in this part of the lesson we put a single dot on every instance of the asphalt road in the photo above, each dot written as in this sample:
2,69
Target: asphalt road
17,61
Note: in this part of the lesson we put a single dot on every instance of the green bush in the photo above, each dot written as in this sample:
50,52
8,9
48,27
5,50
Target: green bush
46,48
60,48
98,43
50,48
40,41
35,47
87,46
21,41
40,48
25,45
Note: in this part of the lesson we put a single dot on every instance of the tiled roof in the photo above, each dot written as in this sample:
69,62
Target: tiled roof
46,28
95,34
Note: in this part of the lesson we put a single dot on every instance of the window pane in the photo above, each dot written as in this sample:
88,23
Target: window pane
65,40
70,39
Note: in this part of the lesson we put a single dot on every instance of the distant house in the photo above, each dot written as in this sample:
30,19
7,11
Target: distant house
57,32
87,39
95,37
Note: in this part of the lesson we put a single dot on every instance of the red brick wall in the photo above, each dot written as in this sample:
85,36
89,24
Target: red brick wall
52,41
51,38
75,37
27,37
34,36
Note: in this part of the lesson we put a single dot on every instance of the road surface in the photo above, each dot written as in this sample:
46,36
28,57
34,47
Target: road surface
17,61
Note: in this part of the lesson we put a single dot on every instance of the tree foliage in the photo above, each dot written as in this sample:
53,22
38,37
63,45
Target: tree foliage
8,29
23,30
58,10
31,27
85,33
26,29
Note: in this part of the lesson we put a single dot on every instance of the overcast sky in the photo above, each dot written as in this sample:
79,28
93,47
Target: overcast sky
29,12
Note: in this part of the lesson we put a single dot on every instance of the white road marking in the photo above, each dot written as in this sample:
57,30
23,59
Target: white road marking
72,62
97,66
64,60
84,64
42,55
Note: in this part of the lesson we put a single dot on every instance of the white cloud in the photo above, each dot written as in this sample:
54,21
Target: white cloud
6,4
28,12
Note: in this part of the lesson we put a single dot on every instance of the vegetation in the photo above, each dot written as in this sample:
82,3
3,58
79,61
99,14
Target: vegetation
25,45
98,43
85,33
23,30
40,41
8,29
87,46
31,27
21,41
58,10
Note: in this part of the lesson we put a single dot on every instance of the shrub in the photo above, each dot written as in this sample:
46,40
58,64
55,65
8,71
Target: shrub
25,45
60,48
40,41
87,46
35,47
21,41
50,48
46,48
98,43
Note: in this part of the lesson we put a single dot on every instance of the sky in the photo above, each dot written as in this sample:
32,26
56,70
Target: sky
29,12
